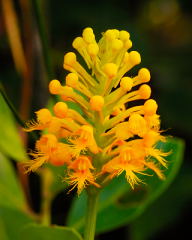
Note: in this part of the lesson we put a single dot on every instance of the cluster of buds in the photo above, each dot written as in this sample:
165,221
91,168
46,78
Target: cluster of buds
111,135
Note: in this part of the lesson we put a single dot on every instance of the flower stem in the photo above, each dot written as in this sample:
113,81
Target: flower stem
47,196
90,221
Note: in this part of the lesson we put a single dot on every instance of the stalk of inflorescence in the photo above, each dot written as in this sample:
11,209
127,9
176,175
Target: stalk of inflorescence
91,213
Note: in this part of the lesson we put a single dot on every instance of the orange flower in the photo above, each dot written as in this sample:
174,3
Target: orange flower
81,174
44,117
83,140
125,161
48,149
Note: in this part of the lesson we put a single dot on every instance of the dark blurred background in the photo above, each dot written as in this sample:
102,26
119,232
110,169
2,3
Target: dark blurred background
161,30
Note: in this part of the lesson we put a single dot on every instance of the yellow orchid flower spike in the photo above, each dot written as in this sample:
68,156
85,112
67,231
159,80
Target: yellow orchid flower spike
109,137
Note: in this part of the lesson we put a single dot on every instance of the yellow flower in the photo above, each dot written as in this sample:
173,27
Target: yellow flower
125,161
117,138
81,174
44,117
84,140
48,149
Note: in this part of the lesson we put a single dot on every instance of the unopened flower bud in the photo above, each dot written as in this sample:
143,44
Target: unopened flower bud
96,103
60,109
110,69
54,87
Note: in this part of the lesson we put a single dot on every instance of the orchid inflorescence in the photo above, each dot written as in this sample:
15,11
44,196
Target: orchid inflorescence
108,137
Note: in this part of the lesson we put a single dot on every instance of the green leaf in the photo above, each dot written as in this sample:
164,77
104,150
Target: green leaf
168,208
11,223
11,194
34,231
3,233
10,142
118,204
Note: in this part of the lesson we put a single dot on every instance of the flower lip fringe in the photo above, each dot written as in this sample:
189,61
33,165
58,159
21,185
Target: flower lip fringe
109,137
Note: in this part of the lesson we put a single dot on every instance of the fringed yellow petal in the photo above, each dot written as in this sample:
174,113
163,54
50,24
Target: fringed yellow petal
33,165
159,155
156,169
132,178
81,176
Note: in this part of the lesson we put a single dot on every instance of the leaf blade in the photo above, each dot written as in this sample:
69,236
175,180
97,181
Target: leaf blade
11,194
34,231
10,141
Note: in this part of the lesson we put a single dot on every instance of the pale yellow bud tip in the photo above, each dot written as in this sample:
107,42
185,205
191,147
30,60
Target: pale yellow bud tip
78,42
60,109
112,34
128,44
88,35
116,44
93,49
134,57
124,35
126,83
72,80
69,58
54,87
96,103
144,75
150,107
145,91
43,115
110,69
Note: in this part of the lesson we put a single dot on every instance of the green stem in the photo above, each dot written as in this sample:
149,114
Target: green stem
47,179
90,221
46,216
